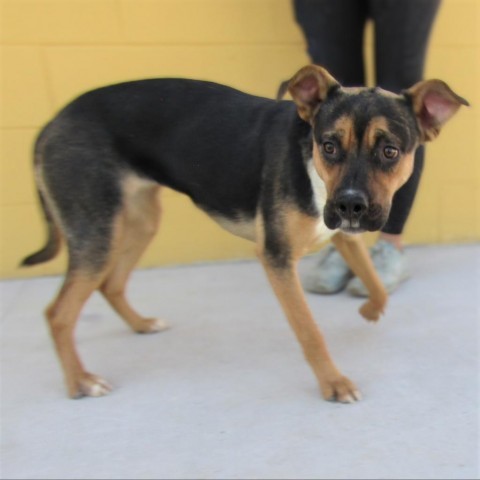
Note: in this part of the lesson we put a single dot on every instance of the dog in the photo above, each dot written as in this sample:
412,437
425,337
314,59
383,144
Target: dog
283,174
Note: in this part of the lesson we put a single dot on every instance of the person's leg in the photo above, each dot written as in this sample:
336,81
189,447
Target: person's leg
402,30
334,34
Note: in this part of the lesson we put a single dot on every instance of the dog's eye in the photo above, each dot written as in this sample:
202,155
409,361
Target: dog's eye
329,148
390,152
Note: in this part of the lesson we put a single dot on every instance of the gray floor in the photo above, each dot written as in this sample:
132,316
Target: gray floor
225,392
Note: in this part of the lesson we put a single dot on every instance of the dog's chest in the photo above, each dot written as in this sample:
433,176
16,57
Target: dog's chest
245,227
319,199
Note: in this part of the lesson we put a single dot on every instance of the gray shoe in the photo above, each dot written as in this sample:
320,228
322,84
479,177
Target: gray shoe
391,265
330,273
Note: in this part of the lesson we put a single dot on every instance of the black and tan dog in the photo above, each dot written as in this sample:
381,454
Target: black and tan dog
282,174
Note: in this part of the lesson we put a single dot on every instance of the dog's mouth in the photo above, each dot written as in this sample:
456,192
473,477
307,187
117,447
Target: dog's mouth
349,226
372,219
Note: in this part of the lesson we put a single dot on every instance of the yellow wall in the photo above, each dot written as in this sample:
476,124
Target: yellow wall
52,50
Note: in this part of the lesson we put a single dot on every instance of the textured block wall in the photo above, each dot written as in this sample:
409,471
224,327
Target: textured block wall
53,50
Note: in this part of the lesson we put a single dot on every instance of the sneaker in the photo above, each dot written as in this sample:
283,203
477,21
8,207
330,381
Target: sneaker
391,265
330,273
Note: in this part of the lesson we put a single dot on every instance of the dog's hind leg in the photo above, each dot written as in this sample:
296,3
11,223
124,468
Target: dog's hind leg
62,316
138,223
84,197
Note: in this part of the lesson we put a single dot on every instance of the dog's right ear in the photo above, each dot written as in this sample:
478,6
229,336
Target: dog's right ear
309,87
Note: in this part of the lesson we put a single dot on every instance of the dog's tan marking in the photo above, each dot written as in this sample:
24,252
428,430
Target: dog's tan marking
384,185
141,202
402,172
376,126
300,230
344,128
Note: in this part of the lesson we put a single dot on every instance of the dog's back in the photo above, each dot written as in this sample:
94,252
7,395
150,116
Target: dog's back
176,132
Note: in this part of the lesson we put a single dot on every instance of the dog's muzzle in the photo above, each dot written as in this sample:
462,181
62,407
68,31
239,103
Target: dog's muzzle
351,212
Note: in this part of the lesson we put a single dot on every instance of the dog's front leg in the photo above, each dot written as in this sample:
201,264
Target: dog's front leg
355,253
286,284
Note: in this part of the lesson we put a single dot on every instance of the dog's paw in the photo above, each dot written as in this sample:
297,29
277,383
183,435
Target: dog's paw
340,389
370,311
89,385
150,325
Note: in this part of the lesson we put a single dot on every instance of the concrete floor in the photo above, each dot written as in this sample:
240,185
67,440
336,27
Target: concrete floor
225,393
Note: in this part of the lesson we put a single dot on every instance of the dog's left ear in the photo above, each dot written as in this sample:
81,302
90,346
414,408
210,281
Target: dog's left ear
309,87
434,103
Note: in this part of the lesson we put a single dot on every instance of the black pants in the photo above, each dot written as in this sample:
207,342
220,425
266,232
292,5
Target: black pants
334,32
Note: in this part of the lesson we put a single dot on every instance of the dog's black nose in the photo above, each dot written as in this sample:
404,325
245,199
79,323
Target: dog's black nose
351,204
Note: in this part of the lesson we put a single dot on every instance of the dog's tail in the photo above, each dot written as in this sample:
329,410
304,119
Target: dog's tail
52,247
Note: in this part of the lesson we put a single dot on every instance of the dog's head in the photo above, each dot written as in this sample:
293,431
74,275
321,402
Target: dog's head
364,141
